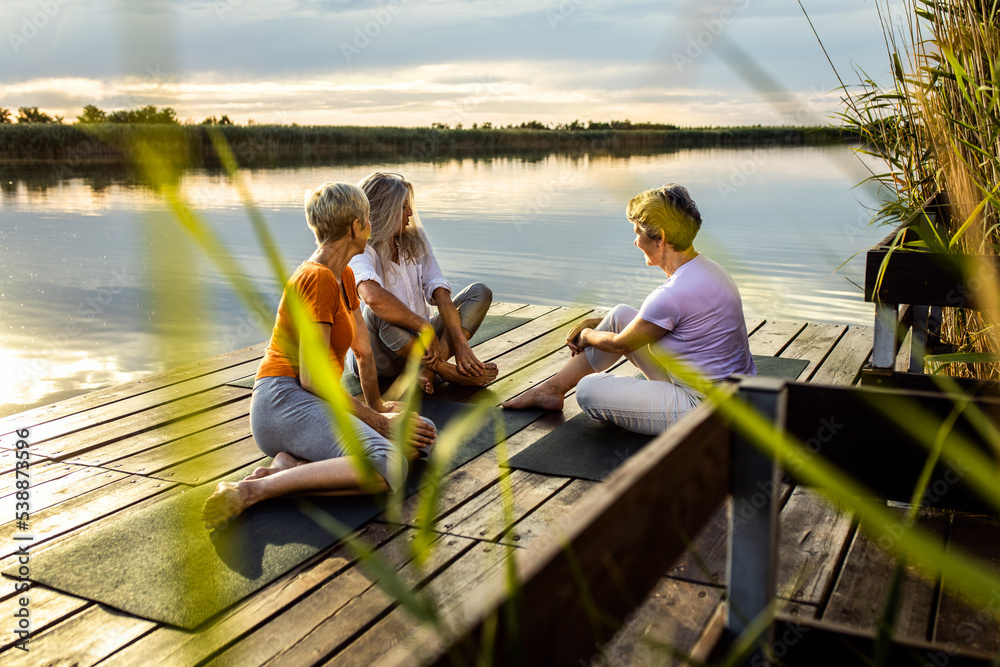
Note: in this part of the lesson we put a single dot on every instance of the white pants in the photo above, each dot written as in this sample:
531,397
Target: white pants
643,406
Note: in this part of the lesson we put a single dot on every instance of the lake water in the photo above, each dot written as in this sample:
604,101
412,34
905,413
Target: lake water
90,263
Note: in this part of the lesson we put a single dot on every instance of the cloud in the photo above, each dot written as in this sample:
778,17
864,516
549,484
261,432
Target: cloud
409,63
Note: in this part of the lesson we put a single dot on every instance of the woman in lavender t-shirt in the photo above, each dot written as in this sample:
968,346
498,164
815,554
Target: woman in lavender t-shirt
696,316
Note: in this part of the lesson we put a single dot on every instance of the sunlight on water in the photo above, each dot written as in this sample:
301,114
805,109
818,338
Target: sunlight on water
77,299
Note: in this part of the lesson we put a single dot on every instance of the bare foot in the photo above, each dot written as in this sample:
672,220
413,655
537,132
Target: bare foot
228,501
539,397
283,461
426,379
450,373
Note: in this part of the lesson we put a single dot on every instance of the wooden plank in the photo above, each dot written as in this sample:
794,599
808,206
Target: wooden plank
131,408
83,639
859,595
505,308
772,338
170,646
83,509
484,516
449,591
53,492
547,330
149,383
843,365
675,483
923,278
753,324
705,561
811,543
673,616
177,451
217,463
815,343
152,428
474,477
539,528
346,606
965,626
45,606
905,349
40,470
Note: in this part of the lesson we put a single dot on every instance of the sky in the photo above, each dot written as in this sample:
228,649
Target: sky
417,62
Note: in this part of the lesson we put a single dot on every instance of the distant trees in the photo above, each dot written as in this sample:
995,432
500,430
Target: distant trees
33,115
92,114
212,120
4,116
147,115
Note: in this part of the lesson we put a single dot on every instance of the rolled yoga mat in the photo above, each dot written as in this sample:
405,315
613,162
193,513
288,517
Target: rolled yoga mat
161,564
588,449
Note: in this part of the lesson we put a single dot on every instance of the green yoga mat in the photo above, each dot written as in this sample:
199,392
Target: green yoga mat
146,566
492,326
587,449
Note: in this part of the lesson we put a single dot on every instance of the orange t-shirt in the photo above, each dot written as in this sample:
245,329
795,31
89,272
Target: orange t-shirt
318,288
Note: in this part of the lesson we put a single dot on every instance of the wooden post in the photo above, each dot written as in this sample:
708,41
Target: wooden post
884,343
918,341
753,519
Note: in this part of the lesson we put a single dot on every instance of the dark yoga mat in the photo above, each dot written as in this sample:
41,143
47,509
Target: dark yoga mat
589,449
492,326
161,564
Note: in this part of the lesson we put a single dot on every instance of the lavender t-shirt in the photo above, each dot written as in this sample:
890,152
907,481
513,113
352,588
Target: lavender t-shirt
700,308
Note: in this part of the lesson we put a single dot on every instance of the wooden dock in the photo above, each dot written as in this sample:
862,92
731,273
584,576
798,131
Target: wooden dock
102,456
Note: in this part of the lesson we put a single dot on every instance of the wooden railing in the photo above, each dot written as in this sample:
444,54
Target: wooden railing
576,590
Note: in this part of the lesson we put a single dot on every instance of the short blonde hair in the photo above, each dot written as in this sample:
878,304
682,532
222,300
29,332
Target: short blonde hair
332,208
668,211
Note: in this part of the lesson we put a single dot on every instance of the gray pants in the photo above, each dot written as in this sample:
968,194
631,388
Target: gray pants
284,417
387,339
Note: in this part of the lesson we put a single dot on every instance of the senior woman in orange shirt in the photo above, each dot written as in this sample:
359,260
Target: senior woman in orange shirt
289,421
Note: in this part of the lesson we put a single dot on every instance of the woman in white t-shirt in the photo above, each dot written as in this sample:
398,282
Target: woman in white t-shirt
695,316
399,281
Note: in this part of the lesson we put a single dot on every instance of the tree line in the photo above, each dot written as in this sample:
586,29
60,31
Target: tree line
150,115
147,115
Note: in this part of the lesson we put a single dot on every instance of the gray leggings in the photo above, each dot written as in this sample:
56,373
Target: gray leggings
284,417
387,339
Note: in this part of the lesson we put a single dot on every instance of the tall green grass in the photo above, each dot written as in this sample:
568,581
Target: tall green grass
937,127
114,142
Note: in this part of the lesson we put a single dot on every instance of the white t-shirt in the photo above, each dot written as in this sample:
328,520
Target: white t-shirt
701,310
411,282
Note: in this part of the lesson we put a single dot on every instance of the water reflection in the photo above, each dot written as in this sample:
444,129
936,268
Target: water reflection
79,307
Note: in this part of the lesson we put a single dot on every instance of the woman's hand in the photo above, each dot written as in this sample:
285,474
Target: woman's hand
432,355
423,434
391,406
575,340
465,359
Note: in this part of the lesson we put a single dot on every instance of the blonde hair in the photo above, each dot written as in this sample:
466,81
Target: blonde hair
668,211
332,208
388,193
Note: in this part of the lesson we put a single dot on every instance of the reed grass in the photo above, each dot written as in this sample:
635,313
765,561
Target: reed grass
115,142
937,127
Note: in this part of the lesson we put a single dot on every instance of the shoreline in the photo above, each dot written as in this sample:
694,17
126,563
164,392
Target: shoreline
191,145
